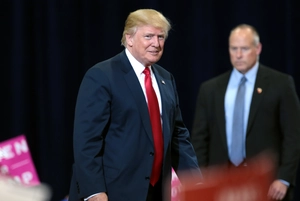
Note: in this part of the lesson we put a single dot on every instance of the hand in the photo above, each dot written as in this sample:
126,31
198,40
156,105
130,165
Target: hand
99,197
277,190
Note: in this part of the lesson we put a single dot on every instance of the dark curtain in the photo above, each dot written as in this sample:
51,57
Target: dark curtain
47,45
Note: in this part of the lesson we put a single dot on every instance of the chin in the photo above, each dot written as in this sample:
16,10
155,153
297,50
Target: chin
154,60
240,67
241,70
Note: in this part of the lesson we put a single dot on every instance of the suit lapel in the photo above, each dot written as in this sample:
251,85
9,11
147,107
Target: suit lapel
220,108
137,93
163,87
261,84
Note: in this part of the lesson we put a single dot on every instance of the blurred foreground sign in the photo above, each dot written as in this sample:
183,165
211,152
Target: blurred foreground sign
249,183
16,161
12,191
175,186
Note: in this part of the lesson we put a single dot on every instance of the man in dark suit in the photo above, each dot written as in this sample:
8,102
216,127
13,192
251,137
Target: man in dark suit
114,148
270,122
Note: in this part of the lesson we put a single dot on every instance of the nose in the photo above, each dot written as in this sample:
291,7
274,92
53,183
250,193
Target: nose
155,41
239,53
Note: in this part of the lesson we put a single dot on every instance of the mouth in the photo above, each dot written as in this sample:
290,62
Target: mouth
154,52
239,63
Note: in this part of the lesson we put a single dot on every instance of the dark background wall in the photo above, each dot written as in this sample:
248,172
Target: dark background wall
47,45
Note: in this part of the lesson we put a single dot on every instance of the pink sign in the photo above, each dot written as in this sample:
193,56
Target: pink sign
16,161
175,187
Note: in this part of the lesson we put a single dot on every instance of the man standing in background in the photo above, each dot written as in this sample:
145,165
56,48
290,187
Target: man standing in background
247,111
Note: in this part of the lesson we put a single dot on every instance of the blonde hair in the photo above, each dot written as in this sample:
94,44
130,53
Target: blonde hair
143,17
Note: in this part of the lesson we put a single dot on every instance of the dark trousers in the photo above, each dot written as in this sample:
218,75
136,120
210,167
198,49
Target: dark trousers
155,192
289,194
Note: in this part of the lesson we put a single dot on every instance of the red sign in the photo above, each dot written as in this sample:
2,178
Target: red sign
249,183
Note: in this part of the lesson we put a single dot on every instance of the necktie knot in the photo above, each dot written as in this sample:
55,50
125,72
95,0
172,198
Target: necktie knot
146,71
243,80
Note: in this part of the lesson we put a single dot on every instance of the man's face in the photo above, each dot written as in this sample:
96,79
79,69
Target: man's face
147,44
243,50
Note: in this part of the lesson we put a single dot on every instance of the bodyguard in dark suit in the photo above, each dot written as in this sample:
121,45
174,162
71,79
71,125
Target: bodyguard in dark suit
271,118
114,148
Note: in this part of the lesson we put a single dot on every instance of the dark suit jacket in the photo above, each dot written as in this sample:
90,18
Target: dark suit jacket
273,124
113,146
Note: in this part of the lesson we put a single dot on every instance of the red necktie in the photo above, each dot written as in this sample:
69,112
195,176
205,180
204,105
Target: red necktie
154,113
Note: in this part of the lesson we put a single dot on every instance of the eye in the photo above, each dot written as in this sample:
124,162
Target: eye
148,37
161,37
244,49
233,48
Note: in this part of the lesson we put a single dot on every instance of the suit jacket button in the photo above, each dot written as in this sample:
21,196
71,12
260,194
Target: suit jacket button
147,178
151,153
78,189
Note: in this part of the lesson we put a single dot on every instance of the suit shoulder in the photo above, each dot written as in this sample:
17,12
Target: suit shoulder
111,65
161,70
106,64
273,72
224,77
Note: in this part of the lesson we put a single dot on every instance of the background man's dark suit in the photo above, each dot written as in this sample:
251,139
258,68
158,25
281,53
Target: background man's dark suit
273,124
126,165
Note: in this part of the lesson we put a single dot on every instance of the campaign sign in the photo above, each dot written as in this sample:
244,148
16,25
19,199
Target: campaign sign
16,161
249,183
175,186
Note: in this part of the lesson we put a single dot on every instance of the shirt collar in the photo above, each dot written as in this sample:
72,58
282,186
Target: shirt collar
250,75
136,65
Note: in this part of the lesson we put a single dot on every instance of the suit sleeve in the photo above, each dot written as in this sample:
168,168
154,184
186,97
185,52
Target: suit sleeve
183,154
290,127
91,119
199,137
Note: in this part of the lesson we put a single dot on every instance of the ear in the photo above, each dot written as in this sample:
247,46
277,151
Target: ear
258,48
129,40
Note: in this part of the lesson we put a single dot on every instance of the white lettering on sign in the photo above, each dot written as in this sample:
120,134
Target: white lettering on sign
6,152
21,147
25,178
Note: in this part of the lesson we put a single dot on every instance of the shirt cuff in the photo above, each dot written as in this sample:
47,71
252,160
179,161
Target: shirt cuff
86,199
285,182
